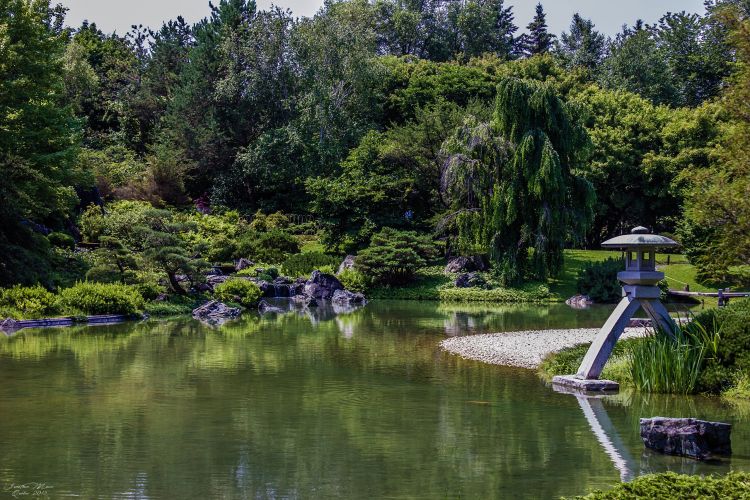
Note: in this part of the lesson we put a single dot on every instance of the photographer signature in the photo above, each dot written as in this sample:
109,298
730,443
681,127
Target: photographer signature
27,490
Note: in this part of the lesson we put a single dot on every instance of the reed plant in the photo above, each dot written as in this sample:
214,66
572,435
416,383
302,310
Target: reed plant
672,364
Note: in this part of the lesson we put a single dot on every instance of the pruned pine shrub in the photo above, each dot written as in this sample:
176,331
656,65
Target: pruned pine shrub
598,280
394,257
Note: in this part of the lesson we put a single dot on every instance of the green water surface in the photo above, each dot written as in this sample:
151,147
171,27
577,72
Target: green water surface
359,405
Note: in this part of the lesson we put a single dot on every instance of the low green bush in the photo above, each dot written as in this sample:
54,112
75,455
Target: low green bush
175,305
27,302
241,291
671,485
528,293
394,257
101,298
61,240
275,246
353,280
732,325
598,280
302,264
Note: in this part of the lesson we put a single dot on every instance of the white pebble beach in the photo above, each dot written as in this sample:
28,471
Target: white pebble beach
525,349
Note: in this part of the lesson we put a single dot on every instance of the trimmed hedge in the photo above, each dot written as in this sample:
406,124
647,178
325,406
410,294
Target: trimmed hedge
27,302
671,485
101,298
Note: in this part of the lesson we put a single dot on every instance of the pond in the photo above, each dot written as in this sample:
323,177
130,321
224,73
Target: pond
360,405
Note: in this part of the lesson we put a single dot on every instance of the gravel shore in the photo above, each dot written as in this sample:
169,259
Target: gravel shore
522,349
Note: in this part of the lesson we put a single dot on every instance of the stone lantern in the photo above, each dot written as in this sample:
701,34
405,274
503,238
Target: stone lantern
639,290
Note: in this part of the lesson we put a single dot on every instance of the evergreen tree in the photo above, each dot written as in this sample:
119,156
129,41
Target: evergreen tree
538,40
38,136
583,47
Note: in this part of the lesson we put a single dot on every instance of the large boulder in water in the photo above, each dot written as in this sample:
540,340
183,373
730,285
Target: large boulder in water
322,286
686,437
579,301
347,298
216,312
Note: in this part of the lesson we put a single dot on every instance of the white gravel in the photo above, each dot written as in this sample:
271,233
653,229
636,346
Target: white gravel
522,349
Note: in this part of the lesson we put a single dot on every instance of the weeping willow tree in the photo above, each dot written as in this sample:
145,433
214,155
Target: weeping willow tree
518,197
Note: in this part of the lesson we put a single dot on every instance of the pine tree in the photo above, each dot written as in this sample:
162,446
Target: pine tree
583,47
538,40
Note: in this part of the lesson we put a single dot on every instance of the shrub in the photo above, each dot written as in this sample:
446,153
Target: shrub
274,246
394,257
175,305
598,280
101,298
27,302
671,485
221,248
353,280
61,240
302,264
241,291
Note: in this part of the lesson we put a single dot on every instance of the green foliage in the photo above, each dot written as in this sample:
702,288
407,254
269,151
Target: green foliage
661,363
536,204
568,361
303,264
240,291
393,257
38,136
354,280
61,240
732,323
671,485
274,246
598,280
529,292
101,298
27,302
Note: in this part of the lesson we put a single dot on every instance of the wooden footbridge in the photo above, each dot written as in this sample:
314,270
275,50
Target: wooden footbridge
722,294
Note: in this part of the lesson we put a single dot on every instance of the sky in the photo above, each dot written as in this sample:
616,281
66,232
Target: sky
607,15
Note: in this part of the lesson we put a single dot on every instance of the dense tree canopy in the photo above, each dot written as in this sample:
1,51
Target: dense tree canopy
378,113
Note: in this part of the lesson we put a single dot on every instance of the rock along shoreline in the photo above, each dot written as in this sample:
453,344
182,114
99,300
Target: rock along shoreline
524,349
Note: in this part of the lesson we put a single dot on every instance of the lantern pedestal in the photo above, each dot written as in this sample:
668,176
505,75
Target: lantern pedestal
639,290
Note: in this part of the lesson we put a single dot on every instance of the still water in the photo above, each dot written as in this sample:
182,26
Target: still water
359,405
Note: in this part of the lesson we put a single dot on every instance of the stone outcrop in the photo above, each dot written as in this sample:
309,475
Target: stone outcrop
347,298
216,312
348,263
579,301
243,264
465,264
470,280
686,437
322,286
281,287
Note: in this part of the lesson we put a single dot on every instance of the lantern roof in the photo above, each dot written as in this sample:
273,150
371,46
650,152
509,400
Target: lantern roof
639,237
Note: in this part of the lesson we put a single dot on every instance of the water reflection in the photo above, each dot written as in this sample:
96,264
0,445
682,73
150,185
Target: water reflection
309,404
